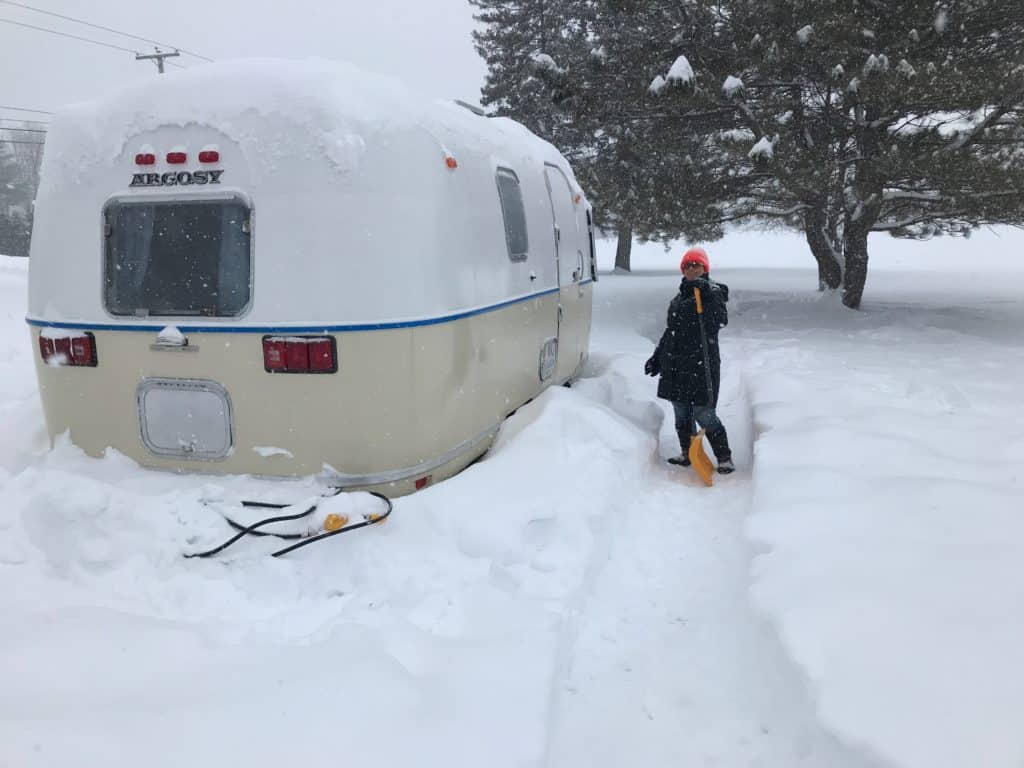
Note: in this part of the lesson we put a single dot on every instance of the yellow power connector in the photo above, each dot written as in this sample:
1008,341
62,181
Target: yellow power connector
333,522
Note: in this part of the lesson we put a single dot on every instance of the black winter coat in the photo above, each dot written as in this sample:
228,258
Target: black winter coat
678,357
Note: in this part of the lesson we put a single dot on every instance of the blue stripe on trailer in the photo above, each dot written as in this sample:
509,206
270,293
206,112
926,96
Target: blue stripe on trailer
286,329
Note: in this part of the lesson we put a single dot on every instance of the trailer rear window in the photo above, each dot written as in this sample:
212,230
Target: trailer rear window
177,258
514,214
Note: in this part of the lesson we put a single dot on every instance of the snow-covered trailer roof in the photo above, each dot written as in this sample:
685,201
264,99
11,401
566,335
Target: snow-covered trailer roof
357,215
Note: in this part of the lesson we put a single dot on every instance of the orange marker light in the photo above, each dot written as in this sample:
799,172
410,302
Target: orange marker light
451,162
576,200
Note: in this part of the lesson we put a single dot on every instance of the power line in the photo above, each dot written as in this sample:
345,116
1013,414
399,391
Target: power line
65,34
105,29
24,109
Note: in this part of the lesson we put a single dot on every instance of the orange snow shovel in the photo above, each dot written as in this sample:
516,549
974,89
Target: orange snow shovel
700,460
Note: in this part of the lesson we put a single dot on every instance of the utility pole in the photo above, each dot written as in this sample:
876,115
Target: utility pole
158,57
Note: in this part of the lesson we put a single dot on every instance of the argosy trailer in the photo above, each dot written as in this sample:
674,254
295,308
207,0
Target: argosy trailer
279,268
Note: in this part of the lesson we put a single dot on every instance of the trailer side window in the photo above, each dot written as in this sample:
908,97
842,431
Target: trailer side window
514,214
168,258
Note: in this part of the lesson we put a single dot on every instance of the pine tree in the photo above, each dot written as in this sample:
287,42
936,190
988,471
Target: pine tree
518,40
864,116
586,91
836,118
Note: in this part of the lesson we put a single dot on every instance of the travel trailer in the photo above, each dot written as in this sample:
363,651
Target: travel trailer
290,268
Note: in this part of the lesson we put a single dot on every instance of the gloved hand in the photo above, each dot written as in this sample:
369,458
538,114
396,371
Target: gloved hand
651,367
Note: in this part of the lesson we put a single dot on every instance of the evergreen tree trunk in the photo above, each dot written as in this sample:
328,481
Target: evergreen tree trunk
868,182
855,252
856,229
624,246
830,274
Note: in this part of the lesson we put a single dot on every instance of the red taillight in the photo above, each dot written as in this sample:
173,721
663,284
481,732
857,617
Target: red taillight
82,351
299,354
74,349
145,158
422,482
274,355
209,156
296,355
46,350
176,158
321,355
62,351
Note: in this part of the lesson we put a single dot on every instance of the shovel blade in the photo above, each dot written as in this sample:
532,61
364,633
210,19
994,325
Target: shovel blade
700,460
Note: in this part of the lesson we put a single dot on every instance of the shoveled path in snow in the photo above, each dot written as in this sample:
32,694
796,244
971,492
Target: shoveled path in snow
664,661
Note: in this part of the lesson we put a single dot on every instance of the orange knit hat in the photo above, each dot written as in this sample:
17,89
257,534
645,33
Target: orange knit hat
696,255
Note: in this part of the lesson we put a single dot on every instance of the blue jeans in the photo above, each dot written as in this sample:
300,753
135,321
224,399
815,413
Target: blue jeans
686,416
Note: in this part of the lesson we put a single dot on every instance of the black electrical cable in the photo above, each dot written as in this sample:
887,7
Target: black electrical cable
273,505
269,505
243,529
368,521
252,529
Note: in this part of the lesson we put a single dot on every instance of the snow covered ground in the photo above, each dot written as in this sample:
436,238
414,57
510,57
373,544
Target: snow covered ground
852,597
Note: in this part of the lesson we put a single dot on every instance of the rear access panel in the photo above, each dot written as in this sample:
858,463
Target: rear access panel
185,418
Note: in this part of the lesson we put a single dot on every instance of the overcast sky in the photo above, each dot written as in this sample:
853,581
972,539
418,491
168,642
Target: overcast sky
426,43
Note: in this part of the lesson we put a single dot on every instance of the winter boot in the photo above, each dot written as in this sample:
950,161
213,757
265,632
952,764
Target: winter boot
720,445
681,460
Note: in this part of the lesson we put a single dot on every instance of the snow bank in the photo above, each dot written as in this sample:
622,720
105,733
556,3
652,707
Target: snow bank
887,495
22,434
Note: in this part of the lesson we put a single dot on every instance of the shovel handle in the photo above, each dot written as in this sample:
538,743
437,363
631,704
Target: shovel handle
704,346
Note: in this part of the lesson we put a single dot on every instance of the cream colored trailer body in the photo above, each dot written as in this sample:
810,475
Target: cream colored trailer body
444,258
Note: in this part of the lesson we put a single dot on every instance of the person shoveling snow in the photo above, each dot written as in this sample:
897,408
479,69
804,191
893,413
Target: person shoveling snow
688,361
